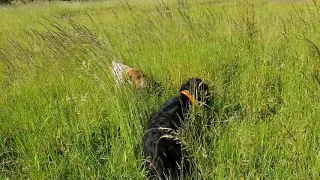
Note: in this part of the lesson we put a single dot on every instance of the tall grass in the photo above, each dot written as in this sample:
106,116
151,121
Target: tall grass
62,117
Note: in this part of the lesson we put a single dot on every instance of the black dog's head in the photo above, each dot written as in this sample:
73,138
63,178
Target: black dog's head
198,89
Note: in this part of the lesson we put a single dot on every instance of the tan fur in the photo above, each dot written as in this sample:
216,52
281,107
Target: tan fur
135,76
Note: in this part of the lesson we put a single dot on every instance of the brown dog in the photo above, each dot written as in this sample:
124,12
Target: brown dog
124,74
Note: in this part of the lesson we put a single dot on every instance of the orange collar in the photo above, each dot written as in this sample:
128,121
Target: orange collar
185,92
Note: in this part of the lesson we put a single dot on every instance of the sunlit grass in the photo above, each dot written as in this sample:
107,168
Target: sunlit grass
62,117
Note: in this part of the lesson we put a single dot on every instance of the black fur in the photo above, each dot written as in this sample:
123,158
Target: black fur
161,145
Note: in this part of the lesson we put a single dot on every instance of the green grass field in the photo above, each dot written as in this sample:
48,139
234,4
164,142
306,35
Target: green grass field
61,116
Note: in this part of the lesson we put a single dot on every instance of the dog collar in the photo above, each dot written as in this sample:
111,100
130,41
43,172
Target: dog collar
185,92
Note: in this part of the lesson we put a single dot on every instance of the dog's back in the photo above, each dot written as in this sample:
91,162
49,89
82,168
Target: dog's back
161,143
167,155
117,71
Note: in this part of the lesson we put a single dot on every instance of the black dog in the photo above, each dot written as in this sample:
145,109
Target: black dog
161,144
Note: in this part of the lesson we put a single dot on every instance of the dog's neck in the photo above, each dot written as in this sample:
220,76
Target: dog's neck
125,75
189,96
187,99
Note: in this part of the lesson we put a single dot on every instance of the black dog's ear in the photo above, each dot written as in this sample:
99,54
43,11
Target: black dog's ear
186,85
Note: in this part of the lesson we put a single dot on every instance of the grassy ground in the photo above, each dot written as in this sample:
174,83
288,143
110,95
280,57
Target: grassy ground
62,118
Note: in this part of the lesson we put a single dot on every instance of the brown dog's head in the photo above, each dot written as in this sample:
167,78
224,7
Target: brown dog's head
135,76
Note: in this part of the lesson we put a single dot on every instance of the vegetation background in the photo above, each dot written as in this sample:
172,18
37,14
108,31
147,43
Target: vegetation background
61,117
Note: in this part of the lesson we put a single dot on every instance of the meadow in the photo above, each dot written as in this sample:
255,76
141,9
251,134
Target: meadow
62,117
